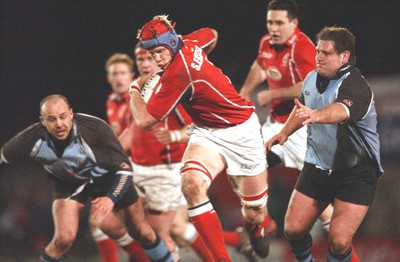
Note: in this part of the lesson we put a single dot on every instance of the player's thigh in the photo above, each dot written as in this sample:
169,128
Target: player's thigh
346,219
134,214
302,212
66,217
209,158
250,185
112,226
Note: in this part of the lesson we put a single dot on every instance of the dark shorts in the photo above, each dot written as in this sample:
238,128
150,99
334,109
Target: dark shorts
356,185
99,188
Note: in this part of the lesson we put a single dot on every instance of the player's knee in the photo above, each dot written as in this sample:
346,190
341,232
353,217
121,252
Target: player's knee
338,243
254,206
64,240
293,230
195,179
190,186
178,227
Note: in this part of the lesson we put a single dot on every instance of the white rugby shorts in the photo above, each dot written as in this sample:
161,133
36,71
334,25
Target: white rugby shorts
241,145
160,185
293,151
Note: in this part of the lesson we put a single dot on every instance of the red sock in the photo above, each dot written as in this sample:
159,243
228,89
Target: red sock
207,223
256,230
136,253
108,250
266,221
201,249
354,257
232,238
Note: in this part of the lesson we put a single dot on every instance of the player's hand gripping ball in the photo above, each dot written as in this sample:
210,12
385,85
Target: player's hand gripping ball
148,88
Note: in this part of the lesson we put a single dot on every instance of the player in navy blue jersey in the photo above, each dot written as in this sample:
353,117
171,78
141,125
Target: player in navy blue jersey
85,160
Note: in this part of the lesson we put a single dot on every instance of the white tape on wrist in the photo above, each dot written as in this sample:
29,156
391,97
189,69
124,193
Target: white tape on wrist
172,135
175,136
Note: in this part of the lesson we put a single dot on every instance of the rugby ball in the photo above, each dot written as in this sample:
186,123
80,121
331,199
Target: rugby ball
149,86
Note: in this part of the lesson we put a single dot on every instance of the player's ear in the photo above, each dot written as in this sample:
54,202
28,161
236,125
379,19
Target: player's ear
345,57
71,112
41,120
295,21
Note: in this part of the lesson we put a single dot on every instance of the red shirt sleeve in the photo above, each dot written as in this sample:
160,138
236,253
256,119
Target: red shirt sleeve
174,83
183,115
202,37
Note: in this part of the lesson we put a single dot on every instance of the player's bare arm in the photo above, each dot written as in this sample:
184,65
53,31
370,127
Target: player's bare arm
265,97
292,125
332,114
138,108
166,137
125,138
254,78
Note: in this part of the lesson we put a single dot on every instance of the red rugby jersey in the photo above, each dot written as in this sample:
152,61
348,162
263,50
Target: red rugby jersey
286,67
145,148
147,151
202,37
118,112
206,93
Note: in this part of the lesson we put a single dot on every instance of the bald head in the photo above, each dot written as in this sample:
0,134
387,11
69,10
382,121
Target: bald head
52,99
56,116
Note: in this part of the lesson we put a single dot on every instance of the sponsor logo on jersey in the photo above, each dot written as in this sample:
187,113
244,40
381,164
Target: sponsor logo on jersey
121,184
266,55
197,59
273,73
248,167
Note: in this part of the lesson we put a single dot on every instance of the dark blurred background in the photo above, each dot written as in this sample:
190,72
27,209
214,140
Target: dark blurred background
60,47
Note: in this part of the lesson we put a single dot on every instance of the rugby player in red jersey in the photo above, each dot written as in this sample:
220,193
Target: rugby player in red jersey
225,133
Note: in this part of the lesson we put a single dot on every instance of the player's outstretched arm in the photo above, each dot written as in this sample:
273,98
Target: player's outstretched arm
332,114
292,125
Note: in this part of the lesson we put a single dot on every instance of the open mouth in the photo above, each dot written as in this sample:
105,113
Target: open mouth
60,133
275,37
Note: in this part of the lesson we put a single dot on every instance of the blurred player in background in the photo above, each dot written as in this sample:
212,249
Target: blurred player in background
85,160
120,74
225,133
342,162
